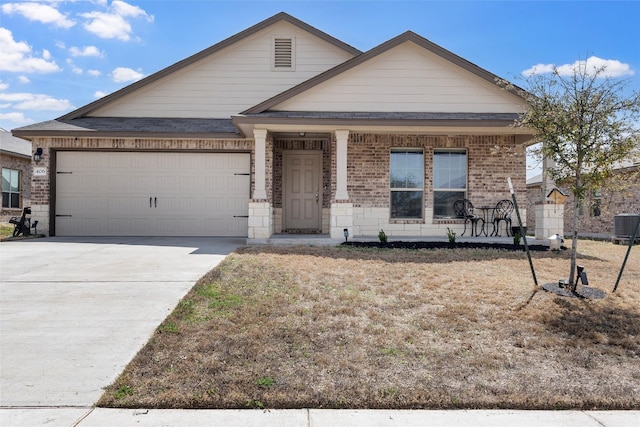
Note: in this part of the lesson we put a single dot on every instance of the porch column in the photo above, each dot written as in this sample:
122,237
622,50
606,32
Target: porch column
341,165
260,191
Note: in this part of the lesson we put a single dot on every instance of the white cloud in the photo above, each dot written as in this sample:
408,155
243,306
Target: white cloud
125,9
23,79
94,73
74,68
43,13
122,74
610,67
85,51
17,56
3,86
100,94
113,24
34,101
14,117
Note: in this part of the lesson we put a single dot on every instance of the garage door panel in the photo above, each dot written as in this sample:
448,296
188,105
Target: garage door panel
146,194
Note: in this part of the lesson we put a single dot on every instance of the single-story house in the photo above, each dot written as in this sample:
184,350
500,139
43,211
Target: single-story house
282,128
15,161
619,195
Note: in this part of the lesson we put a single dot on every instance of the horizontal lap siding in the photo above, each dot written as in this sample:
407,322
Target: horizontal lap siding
230,80
406,78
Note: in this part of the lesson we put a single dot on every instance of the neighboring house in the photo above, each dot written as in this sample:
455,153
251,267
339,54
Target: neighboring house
15,161
285,129
619,195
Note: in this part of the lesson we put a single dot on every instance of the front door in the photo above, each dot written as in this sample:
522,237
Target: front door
302,187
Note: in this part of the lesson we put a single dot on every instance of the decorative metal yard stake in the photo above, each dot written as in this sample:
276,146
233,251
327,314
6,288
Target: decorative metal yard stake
524,237
633,239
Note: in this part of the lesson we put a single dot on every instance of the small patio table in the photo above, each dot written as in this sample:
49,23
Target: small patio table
488,213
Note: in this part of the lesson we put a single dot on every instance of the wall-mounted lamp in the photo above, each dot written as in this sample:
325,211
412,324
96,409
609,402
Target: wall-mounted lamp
302,133
37,156
346,234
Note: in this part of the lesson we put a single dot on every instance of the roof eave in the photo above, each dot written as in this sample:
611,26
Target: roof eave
27,134
247,124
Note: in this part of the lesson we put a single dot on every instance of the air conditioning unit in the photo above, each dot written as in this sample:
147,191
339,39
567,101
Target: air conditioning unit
625,224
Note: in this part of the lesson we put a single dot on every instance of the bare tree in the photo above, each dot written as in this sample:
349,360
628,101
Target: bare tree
586,122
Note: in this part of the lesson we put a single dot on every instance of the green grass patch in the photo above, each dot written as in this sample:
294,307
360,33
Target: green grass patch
218,299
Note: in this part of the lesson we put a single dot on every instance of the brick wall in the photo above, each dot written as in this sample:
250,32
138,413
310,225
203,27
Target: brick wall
319,144
615,199
491,159
24,166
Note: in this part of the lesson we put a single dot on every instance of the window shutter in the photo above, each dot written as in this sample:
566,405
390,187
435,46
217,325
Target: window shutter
283,53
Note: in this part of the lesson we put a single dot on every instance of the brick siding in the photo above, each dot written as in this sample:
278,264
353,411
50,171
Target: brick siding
613,201
24,166
491,159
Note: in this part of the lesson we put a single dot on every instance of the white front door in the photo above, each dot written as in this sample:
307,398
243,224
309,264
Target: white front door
302,201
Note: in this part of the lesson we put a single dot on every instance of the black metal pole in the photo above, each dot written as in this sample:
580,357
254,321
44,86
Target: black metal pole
524,237
633,239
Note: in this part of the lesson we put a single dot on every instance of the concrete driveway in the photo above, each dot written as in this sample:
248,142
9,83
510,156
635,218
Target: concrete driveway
74,311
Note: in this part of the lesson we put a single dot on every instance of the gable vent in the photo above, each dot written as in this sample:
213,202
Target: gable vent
283,53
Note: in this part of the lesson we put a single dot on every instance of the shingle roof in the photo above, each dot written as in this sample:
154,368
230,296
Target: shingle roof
14,146
135,125
366,115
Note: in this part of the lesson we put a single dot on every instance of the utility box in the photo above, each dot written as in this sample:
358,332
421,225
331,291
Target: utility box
625,224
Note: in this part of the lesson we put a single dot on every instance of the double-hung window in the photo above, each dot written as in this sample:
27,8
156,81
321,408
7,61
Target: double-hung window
407,183
10,188
449,181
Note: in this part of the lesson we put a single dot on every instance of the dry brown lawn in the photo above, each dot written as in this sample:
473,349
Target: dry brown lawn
342,327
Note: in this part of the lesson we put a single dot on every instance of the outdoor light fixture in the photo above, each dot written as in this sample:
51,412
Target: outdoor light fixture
346,234
37,156
302,133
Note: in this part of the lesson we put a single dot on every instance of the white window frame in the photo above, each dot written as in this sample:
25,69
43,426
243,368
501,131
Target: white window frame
9,189
436,190
408,189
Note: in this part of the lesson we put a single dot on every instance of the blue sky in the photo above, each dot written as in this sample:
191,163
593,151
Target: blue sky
56,56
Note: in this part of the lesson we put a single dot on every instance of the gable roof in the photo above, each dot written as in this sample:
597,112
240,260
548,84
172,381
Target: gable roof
408,36
282,16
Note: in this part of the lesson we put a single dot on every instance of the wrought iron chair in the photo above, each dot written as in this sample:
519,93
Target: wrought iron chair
504,209
463,208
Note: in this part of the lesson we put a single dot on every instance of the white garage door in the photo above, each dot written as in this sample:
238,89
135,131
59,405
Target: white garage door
152,194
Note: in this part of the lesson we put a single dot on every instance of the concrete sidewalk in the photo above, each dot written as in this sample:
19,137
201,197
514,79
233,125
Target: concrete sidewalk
315,418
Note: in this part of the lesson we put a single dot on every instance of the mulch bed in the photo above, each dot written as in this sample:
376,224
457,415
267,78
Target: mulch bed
582,291
444,245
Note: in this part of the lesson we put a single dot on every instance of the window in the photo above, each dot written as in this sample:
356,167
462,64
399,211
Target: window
283,53
449,181
596,202
407,183
10,188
